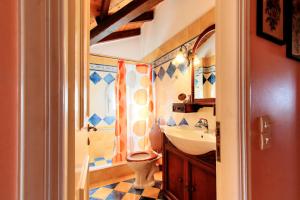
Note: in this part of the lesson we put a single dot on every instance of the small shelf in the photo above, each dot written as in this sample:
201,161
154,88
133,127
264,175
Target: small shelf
186,107
192,107
208,102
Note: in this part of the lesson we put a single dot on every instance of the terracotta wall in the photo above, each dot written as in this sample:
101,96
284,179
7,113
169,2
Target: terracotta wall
275,91
8,98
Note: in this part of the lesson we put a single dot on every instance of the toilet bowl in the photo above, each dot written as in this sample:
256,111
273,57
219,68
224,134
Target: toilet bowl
143,163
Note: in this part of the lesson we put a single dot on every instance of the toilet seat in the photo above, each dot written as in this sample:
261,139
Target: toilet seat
142,156
144,163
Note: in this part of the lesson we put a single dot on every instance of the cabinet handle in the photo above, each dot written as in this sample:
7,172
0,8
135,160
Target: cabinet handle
180,180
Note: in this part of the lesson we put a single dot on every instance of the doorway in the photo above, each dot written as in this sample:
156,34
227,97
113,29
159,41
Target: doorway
229,167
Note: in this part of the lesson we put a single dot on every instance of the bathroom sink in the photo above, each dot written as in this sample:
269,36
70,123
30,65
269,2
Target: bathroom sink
192,141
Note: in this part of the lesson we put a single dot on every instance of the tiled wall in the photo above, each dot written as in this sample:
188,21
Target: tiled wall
102,95
170,80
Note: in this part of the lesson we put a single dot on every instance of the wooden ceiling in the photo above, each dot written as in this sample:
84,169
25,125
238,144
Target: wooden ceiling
117,19
116,5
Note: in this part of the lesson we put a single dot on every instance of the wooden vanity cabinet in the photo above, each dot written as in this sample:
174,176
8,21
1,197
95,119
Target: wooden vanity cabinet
175,175
187,177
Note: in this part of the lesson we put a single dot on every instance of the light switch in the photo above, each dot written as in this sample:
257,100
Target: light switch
265,141
265,124
265,132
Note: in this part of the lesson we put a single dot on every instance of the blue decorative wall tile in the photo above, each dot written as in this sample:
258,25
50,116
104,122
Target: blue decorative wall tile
102,79
109,161
183,122
95,77
109,78
99,158
104,162
204,79
171,69
92,164
171,122
161,73
109,119
95,119
154,76
182,68
212,78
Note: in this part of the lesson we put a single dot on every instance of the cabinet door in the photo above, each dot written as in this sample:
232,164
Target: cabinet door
175,176
202,183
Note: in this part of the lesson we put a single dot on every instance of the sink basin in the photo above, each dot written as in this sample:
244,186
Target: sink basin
192,141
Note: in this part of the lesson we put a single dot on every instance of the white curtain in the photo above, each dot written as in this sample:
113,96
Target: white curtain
139,98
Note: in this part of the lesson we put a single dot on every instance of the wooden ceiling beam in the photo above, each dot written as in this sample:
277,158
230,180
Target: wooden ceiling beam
120,18
103,10
145,17
122,34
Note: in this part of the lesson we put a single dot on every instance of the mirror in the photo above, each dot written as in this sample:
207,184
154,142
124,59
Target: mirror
203,68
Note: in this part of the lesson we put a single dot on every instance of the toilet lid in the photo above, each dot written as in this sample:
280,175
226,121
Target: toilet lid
155,136
141,156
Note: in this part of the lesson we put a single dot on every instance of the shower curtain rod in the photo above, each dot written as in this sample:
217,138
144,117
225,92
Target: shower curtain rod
115,58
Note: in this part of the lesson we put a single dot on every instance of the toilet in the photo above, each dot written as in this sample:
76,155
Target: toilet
143,163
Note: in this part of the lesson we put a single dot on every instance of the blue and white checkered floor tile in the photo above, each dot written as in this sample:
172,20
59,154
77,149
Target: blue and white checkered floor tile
124,191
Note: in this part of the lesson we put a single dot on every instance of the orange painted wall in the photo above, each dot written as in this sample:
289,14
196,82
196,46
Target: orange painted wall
275,91
8,98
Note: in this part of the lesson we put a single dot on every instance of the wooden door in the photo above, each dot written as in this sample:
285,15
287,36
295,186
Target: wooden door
84,180
175,176
275,89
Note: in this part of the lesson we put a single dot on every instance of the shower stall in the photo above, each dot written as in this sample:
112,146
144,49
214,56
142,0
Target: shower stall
102,115
125,91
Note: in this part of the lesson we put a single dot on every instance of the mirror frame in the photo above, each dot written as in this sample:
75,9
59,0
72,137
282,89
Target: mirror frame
200,40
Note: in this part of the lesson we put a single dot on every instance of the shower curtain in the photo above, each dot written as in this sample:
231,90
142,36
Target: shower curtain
134,94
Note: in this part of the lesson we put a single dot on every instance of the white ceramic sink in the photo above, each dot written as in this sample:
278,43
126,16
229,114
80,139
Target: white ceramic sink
192,141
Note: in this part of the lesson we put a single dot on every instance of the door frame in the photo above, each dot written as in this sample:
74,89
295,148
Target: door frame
244,99
233,106
50,130
43,97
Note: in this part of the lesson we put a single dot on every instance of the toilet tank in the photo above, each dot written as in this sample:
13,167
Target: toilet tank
156,138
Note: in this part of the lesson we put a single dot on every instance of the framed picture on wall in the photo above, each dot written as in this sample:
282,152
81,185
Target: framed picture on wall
293,29
270,20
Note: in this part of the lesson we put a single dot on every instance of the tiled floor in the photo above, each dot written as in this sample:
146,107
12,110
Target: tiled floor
124,190
100,161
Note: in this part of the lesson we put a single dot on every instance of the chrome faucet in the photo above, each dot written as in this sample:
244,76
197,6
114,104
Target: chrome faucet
202,123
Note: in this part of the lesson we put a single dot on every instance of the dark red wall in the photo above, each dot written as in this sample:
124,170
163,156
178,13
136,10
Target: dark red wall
275,91
8,98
